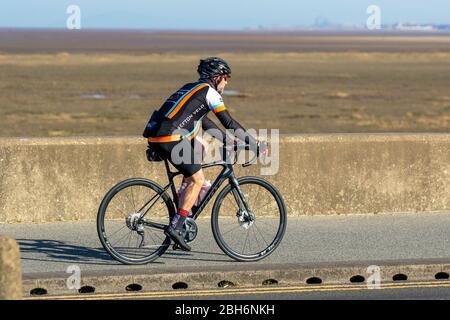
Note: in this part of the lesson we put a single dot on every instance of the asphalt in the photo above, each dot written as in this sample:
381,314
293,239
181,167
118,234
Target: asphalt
47,248
439,293
442,293
430,290
409,292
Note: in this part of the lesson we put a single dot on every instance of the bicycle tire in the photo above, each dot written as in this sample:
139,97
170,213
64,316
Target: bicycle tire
280,232
101,222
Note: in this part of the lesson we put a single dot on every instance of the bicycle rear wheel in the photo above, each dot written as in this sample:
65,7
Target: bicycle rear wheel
131,221
254,234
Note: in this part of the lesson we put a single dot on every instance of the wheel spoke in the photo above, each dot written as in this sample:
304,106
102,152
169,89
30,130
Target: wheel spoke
150,233
129,238
263,206
153,233
120,211
250,240
116,232
129,200
256,199
246,238
124,244
132,198
255,237
232,228
122,238
254,223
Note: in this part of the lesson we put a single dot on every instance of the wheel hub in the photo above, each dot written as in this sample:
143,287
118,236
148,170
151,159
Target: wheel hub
245,219
133,224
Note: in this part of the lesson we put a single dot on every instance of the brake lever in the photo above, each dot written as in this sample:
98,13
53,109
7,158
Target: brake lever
252,161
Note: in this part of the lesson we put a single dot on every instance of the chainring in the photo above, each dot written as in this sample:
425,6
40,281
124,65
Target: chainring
190,230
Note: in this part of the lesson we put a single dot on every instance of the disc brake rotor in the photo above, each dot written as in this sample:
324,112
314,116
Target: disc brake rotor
245,219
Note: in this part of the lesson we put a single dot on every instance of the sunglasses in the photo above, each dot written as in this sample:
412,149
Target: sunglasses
226,76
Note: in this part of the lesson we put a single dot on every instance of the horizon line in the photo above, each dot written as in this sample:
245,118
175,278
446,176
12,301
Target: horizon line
237,30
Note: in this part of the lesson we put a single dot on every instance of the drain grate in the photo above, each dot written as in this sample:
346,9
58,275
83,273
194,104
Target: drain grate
441,276
270,282
400,277
133,287
314,280
357,279
38,292
179,285
225,284
86,289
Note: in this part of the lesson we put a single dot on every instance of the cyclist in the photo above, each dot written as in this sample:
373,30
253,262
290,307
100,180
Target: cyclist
172,130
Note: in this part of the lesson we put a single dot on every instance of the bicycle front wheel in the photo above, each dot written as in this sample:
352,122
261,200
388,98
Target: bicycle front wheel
253,232
131,221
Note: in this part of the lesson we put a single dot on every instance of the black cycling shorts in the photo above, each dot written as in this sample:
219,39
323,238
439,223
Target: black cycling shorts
184,155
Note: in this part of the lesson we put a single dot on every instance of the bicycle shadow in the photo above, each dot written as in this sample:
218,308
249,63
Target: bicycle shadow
59,251
190,256
62,252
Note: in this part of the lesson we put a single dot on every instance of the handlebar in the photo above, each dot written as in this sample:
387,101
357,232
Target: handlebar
238,146
243,146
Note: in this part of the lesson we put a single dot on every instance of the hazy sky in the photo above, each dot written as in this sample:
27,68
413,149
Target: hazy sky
226,14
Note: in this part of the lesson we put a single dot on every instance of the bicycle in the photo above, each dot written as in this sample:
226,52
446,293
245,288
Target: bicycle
232,207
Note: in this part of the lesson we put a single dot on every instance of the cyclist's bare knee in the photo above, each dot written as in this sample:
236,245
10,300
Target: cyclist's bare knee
197,178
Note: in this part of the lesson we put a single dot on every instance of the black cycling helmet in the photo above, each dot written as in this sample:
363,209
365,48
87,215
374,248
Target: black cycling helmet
212,67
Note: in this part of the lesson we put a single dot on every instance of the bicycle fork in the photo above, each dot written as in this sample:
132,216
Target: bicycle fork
245,216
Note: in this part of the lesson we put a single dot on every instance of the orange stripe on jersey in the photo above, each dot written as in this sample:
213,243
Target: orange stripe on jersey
182,102
219,109
165,138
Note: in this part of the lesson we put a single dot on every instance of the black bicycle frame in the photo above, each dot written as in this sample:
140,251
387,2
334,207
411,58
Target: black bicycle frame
226,173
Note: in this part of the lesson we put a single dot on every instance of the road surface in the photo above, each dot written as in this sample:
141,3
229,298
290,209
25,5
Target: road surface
55,246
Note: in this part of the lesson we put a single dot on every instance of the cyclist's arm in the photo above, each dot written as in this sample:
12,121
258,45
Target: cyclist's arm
228,122
216,104
217,133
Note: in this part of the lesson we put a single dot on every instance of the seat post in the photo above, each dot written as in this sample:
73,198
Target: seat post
166,163
170,174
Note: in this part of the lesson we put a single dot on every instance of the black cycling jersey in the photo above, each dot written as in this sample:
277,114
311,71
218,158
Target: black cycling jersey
185,112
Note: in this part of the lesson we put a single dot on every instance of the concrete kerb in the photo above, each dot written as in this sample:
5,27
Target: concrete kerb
244,277
10,269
